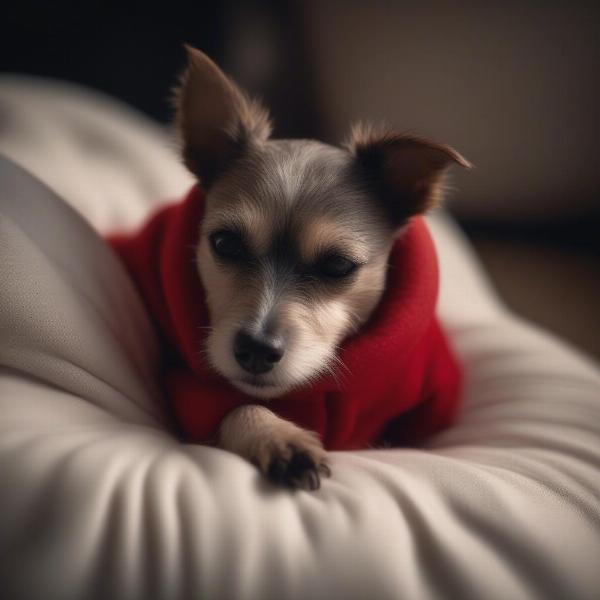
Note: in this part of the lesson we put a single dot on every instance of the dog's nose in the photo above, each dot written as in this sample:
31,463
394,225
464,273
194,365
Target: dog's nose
257,354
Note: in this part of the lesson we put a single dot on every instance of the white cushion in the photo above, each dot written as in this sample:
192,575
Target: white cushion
99,500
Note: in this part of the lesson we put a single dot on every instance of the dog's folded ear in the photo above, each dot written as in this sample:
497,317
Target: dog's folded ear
216,121
405,171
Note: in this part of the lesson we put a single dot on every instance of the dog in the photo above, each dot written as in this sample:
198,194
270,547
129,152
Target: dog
293,251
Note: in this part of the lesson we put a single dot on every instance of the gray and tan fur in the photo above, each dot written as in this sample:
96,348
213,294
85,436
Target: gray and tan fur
284,221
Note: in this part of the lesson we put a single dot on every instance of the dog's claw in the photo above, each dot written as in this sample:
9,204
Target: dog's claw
299,472
325,470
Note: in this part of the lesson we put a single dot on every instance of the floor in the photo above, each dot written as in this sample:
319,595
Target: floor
554,285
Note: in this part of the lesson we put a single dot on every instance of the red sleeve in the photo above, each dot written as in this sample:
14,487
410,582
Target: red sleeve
199,407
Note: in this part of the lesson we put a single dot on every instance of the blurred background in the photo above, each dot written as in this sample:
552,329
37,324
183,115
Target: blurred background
513,85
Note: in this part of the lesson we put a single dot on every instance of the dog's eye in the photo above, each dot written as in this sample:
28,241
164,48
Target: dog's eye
227,244
335,266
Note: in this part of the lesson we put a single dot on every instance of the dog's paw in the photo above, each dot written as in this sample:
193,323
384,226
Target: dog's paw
296,460
285,453
297,469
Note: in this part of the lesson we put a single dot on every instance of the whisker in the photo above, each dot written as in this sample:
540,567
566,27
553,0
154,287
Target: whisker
344,375
338,360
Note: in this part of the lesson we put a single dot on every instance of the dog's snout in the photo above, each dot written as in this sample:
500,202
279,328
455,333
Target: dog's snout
257,354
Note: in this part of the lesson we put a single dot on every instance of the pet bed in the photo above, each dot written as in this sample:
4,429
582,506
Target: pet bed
98,498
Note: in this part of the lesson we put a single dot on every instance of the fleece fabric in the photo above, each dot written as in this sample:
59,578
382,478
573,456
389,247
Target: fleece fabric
402,381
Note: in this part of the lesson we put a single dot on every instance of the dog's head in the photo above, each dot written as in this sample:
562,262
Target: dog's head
296,236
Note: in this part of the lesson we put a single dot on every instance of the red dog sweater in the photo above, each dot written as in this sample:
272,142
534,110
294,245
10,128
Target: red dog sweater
403,380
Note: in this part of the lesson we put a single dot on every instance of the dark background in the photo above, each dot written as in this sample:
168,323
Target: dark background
135,50
514,85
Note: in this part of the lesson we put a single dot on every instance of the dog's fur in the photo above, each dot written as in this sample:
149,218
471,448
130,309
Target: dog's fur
293,205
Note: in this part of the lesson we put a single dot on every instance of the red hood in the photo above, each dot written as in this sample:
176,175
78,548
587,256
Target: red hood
402,381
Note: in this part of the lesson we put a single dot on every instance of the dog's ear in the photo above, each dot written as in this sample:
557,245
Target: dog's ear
405,171
216,121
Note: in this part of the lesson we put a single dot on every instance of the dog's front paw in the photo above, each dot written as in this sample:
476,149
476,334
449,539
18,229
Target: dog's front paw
285,453
295,464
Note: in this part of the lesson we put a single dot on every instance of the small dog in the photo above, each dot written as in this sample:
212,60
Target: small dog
293,251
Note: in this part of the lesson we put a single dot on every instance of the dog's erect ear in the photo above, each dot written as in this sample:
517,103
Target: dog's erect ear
405,171
215,119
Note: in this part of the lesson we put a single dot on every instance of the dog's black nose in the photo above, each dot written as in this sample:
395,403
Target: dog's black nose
255,353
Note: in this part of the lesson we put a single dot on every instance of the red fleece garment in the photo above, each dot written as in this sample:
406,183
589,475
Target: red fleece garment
403,381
